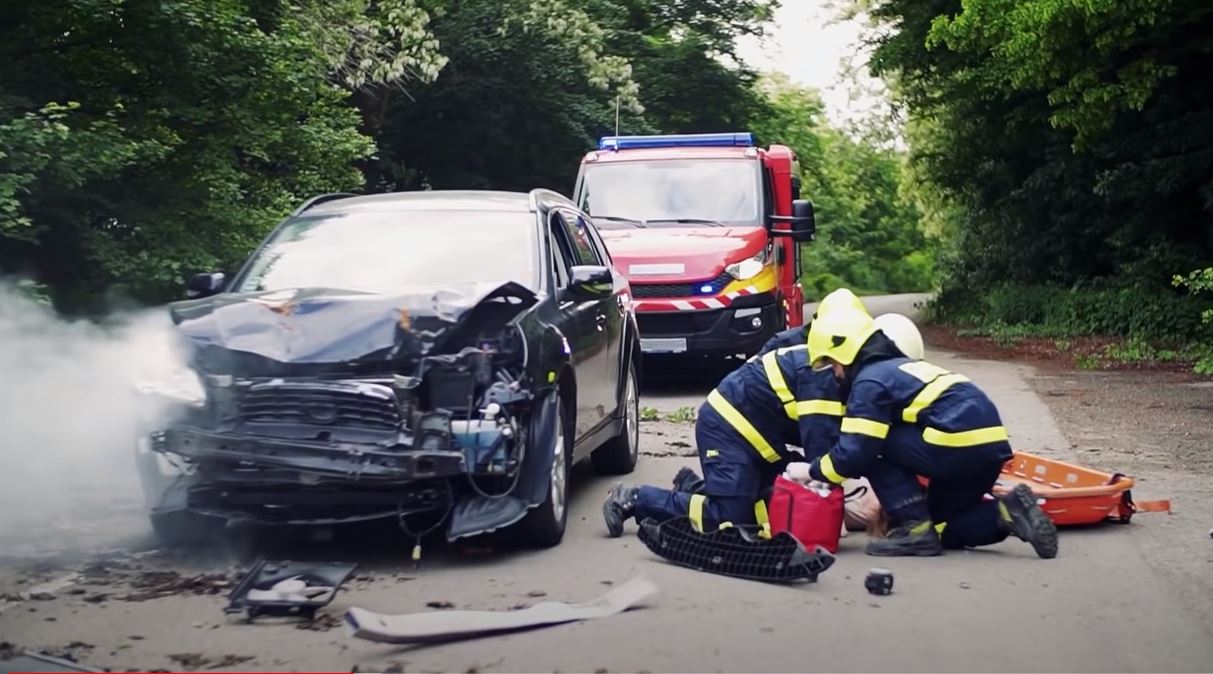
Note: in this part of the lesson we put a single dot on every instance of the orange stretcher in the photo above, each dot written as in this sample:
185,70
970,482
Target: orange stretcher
1074,495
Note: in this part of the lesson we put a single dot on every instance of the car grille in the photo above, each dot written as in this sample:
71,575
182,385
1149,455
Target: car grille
693,289
348,404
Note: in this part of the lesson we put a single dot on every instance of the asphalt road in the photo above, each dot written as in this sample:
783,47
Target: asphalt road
1101,605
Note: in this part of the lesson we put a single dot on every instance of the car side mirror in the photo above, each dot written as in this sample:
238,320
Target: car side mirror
204,285
803,221
590,282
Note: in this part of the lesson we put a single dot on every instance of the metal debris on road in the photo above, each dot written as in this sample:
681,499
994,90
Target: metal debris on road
453,625
286,588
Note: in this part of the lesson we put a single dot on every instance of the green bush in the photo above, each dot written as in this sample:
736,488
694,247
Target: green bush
1157,322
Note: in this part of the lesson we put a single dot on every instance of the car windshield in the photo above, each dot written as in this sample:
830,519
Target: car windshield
387,252
663,192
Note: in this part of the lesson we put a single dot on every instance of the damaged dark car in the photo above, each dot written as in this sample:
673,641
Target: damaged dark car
440,359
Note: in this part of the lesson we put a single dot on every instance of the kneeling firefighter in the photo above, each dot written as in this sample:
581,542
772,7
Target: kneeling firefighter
905,418
742,434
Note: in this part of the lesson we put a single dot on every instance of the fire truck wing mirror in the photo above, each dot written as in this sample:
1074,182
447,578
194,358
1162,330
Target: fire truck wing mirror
803,223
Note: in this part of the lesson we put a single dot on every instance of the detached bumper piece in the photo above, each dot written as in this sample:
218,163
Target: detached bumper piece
735,552
287,588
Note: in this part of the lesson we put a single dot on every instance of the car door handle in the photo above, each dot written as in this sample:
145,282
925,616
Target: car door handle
600,318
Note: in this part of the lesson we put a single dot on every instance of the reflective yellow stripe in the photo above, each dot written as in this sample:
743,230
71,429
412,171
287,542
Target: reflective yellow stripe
743,426
929,394
977,436
764,520
831,408
875,429
922,371
711,453
826,464
941,526
779,384
695,510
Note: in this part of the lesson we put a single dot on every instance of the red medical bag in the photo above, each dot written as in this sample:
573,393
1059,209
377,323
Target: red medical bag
813,517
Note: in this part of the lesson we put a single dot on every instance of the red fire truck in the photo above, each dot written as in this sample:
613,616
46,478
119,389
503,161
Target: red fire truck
707,229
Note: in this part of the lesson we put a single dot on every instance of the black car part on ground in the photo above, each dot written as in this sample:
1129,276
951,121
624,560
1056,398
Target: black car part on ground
253,594
364,407
735,551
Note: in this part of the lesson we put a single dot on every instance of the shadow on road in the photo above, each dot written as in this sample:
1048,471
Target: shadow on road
684,376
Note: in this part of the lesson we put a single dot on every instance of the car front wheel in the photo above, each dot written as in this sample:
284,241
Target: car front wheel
544,525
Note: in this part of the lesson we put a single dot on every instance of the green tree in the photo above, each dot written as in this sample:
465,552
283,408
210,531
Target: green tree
869,237
144,139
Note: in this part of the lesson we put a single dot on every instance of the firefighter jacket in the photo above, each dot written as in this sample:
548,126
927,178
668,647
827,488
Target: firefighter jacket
949,413
775,400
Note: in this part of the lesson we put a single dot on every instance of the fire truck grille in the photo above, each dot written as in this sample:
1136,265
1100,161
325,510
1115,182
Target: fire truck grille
682,323
693,289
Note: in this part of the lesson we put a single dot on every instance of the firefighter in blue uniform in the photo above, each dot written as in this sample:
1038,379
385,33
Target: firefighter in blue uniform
906,418
742,433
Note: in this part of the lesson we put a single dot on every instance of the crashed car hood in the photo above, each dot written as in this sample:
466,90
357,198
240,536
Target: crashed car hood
325,325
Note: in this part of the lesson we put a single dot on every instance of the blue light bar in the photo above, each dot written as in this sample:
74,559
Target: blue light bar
743,139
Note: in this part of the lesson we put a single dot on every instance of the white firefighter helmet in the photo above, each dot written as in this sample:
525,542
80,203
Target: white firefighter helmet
904,334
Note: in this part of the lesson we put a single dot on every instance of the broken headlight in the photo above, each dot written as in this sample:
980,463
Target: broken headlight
182,385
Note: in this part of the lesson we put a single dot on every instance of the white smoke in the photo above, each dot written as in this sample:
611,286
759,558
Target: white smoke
69,418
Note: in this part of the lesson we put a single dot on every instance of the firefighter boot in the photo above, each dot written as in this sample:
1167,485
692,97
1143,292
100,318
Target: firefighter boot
618,508
688,481
1025,520
914,539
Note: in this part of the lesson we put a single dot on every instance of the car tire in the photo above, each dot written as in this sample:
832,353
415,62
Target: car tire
621,453
544,525
185,529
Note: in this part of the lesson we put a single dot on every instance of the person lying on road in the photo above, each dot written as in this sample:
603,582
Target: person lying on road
906,418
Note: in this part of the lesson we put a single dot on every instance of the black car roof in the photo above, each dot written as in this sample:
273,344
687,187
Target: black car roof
440,200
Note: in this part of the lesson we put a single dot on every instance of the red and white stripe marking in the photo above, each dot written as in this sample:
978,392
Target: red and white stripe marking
694,304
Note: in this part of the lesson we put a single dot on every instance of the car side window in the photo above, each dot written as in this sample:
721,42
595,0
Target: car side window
561,256
576,228
599,247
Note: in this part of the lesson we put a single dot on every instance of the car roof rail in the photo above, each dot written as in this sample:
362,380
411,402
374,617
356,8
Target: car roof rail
541,195
320,199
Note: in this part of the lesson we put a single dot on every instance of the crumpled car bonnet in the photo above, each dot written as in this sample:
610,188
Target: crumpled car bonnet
326,325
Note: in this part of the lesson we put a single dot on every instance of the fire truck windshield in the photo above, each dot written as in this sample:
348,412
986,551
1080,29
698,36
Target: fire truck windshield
672,193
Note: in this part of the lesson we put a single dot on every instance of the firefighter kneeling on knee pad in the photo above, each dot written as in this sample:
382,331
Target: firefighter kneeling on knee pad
907,418
742,433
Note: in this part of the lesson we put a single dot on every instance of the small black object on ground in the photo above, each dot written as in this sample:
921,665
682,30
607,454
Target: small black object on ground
286,588
879,581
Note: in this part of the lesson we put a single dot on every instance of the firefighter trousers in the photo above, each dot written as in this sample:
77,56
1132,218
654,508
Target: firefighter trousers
960,478
734,481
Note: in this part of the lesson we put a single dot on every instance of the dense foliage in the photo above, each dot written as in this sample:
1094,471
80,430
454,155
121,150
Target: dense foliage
144,139
1063,149
868,237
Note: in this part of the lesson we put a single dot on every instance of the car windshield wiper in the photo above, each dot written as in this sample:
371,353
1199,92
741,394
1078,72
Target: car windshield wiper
690,221
616,218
